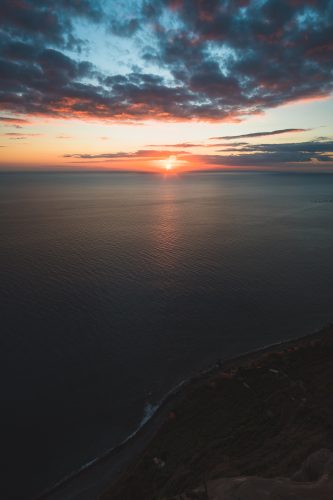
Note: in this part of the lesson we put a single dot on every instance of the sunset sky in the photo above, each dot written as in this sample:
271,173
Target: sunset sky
160,85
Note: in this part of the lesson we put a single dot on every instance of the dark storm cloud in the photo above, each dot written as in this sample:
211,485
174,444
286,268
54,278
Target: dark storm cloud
260,134
225,59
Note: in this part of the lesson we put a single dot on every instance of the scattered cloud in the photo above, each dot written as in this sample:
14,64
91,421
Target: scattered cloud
247,155
13,122
270,154
21,134
141,153
261,134
226,144
292,147
177,145
197,145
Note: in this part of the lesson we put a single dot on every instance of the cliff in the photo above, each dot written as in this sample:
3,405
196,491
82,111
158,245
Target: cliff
242,429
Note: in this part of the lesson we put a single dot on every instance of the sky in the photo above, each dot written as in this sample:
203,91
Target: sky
166,85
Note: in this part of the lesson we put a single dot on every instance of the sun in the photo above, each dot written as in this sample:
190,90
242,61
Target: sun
169,163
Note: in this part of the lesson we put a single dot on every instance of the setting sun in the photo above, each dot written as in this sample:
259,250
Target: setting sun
169,163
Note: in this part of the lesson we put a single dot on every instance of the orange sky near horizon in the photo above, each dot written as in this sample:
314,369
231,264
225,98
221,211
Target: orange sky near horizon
45,143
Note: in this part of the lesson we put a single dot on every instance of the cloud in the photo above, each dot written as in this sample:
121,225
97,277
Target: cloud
64,137
23,134
141,153
196,145
272,154
261,134
19,137
14,122
208,60
247,156
45,22
226,144
246,56
315,147
15,136
177,145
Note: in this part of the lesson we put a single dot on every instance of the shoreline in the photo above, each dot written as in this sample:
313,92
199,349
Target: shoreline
98,475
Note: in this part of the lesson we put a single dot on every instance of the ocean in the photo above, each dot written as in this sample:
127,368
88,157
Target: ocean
116,287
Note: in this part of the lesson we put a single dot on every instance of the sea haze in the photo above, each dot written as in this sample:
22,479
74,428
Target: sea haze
116,287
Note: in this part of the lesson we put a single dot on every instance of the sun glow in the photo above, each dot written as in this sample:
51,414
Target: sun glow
169,163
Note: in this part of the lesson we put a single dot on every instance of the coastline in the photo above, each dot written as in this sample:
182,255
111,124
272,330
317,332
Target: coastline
100,474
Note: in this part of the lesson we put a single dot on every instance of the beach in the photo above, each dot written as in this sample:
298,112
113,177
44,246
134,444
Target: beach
260,414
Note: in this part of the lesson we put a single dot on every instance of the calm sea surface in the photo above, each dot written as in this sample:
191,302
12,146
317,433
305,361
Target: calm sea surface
116,287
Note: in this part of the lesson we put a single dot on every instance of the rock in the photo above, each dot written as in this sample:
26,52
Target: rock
313,481
315,466
160,464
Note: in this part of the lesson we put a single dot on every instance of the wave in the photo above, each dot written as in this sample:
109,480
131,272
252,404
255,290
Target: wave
149,411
